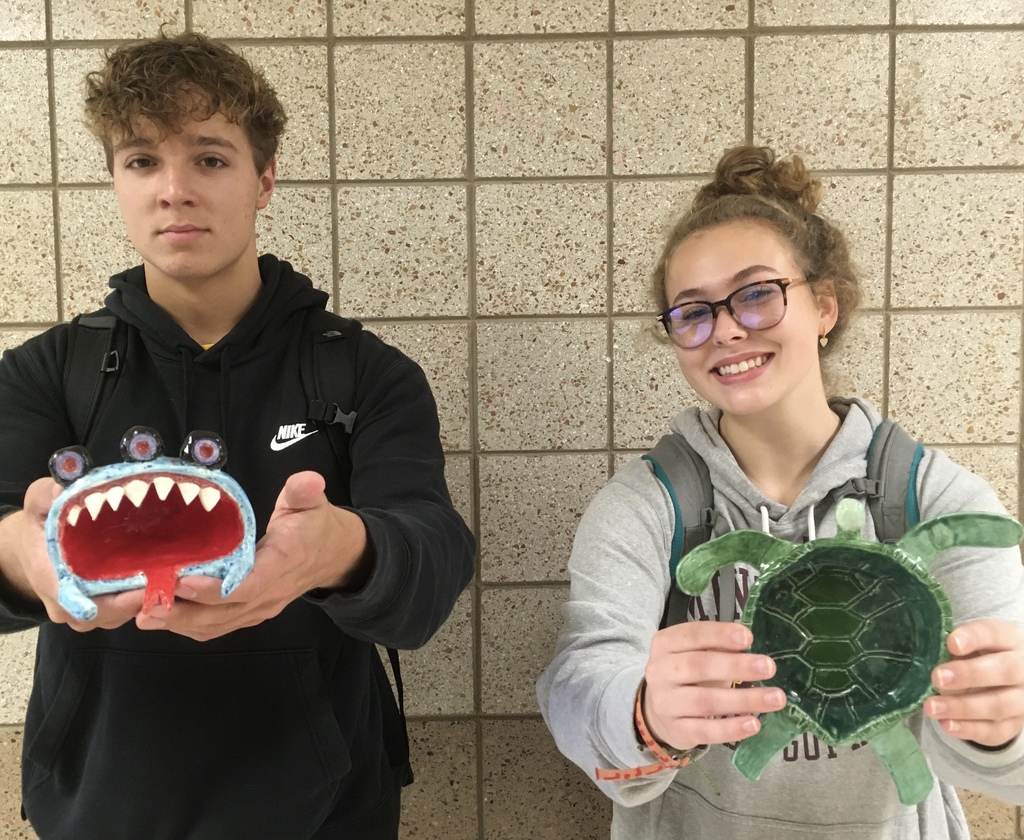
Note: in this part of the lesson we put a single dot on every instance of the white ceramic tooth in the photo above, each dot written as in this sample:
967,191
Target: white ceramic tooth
189,491
114,497
73,515
163,486
209,496
94,504
136,491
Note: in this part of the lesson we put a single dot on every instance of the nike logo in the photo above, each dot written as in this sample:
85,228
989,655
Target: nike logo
288,435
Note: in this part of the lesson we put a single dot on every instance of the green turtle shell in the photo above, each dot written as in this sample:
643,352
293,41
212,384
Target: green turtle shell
855,630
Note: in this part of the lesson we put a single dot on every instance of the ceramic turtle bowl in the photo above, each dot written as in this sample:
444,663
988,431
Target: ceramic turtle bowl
855,629
146,522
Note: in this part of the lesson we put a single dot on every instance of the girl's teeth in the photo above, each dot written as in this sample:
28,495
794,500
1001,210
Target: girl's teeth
740,367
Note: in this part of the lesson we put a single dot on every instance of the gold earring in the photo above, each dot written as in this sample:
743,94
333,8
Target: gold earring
823,340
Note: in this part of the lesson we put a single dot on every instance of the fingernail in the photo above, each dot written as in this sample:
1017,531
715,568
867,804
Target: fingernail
943,677
186,592
936,707
951,726
764,666
742,637
776,699
751,726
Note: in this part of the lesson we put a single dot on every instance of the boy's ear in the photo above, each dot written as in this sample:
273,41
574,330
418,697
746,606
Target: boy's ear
268,178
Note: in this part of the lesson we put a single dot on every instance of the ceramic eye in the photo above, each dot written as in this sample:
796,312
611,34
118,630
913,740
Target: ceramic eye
205,449
67,465
141,443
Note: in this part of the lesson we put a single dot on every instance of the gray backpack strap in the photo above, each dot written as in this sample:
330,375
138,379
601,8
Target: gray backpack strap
893,461
685,477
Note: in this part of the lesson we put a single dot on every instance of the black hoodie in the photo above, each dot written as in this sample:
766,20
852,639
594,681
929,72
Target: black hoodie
272,732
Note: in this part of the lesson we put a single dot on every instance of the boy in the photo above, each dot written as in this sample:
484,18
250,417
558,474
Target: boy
266,714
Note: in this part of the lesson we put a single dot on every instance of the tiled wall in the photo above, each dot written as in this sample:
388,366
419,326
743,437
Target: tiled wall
485,183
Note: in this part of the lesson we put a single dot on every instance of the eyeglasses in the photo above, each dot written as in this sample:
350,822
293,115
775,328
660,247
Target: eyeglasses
757,306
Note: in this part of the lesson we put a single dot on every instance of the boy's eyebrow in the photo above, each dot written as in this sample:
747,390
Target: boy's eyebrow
199,140
736,278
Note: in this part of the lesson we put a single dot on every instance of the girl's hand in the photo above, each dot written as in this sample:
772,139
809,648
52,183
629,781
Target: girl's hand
689,699
981,689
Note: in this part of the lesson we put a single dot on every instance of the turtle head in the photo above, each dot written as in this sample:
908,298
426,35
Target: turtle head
850,518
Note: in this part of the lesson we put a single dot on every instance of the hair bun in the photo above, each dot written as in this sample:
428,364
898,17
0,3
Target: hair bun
753,170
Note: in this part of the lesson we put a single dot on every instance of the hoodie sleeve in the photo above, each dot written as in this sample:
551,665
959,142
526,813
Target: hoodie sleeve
619,582
33,424
423,551
980,583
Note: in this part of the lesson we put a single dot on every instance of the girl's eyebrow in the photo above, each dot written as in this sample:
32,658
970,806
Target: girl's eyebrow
737,278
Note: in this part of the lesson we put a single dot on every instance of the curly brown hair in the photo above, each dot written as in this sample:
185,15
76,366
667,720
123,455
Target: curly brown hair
751,184
171,80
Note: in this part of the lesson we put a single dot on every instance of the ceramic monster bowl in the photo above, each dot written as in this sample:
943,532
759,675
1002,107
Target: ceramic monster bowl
855,629
146,522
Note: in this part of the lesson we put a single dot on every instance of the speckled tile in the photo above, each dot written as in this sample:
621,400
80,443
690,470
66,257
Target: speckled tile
648,386
23,20
10,338
402,250
531,790
518,626
644,213
408,17
944,12
645,15
542,384
541,249
79,154
438,677
856,205
530,506
441,804
265,19
997,465
986,408
833,120
24,118
94,246
855,367
653,80
12,827
959,100
458,472
821,12
296,226
400,111
977,260
442,350
531,17
988,817
17,662
298,75
27,293
540,108
89,19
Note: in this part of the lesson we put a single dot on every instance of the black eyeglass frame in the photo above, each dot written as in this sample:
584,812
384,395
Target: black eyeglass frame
782,282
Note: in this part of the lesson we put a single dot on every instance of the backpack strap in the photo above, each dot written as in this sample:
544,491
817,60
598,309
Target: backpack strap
678,467
893,461
96,348
327,363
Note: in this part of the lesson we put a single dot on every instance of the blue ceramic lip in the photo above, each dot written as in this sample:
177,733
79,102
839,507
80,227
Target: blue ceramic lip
158,507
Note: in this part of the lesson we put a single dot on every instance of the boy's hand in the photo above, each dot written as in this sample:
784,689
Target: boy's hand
31,573
981,689
309,544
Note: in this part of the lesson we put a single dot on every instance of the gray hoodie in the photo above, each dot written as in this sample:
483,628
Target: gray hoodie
620,580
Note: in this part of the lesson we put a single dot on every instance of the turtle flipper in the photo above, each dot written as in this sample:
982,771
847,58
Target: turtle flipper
696,569
900,752
933,536
753,754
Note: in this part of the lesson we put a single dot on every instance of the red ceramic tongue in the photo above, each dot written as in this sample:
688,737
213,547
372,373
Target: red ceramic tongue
160,583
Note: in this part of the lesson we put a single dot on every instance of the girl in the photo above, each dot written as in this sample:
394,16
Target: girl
754,284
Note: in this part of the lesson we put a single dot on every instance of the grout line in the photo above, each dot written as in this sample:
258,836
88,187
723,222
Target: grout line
332,163
51,94
890,186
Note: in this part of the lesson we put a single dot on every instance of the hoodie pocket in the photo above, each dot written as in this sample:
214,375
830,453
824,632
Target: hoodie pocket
201,746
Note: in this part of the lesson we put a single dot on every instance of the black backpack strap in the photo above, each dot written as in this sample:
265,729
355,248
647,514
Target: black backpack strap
893,460
96,348
685,477
328,371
